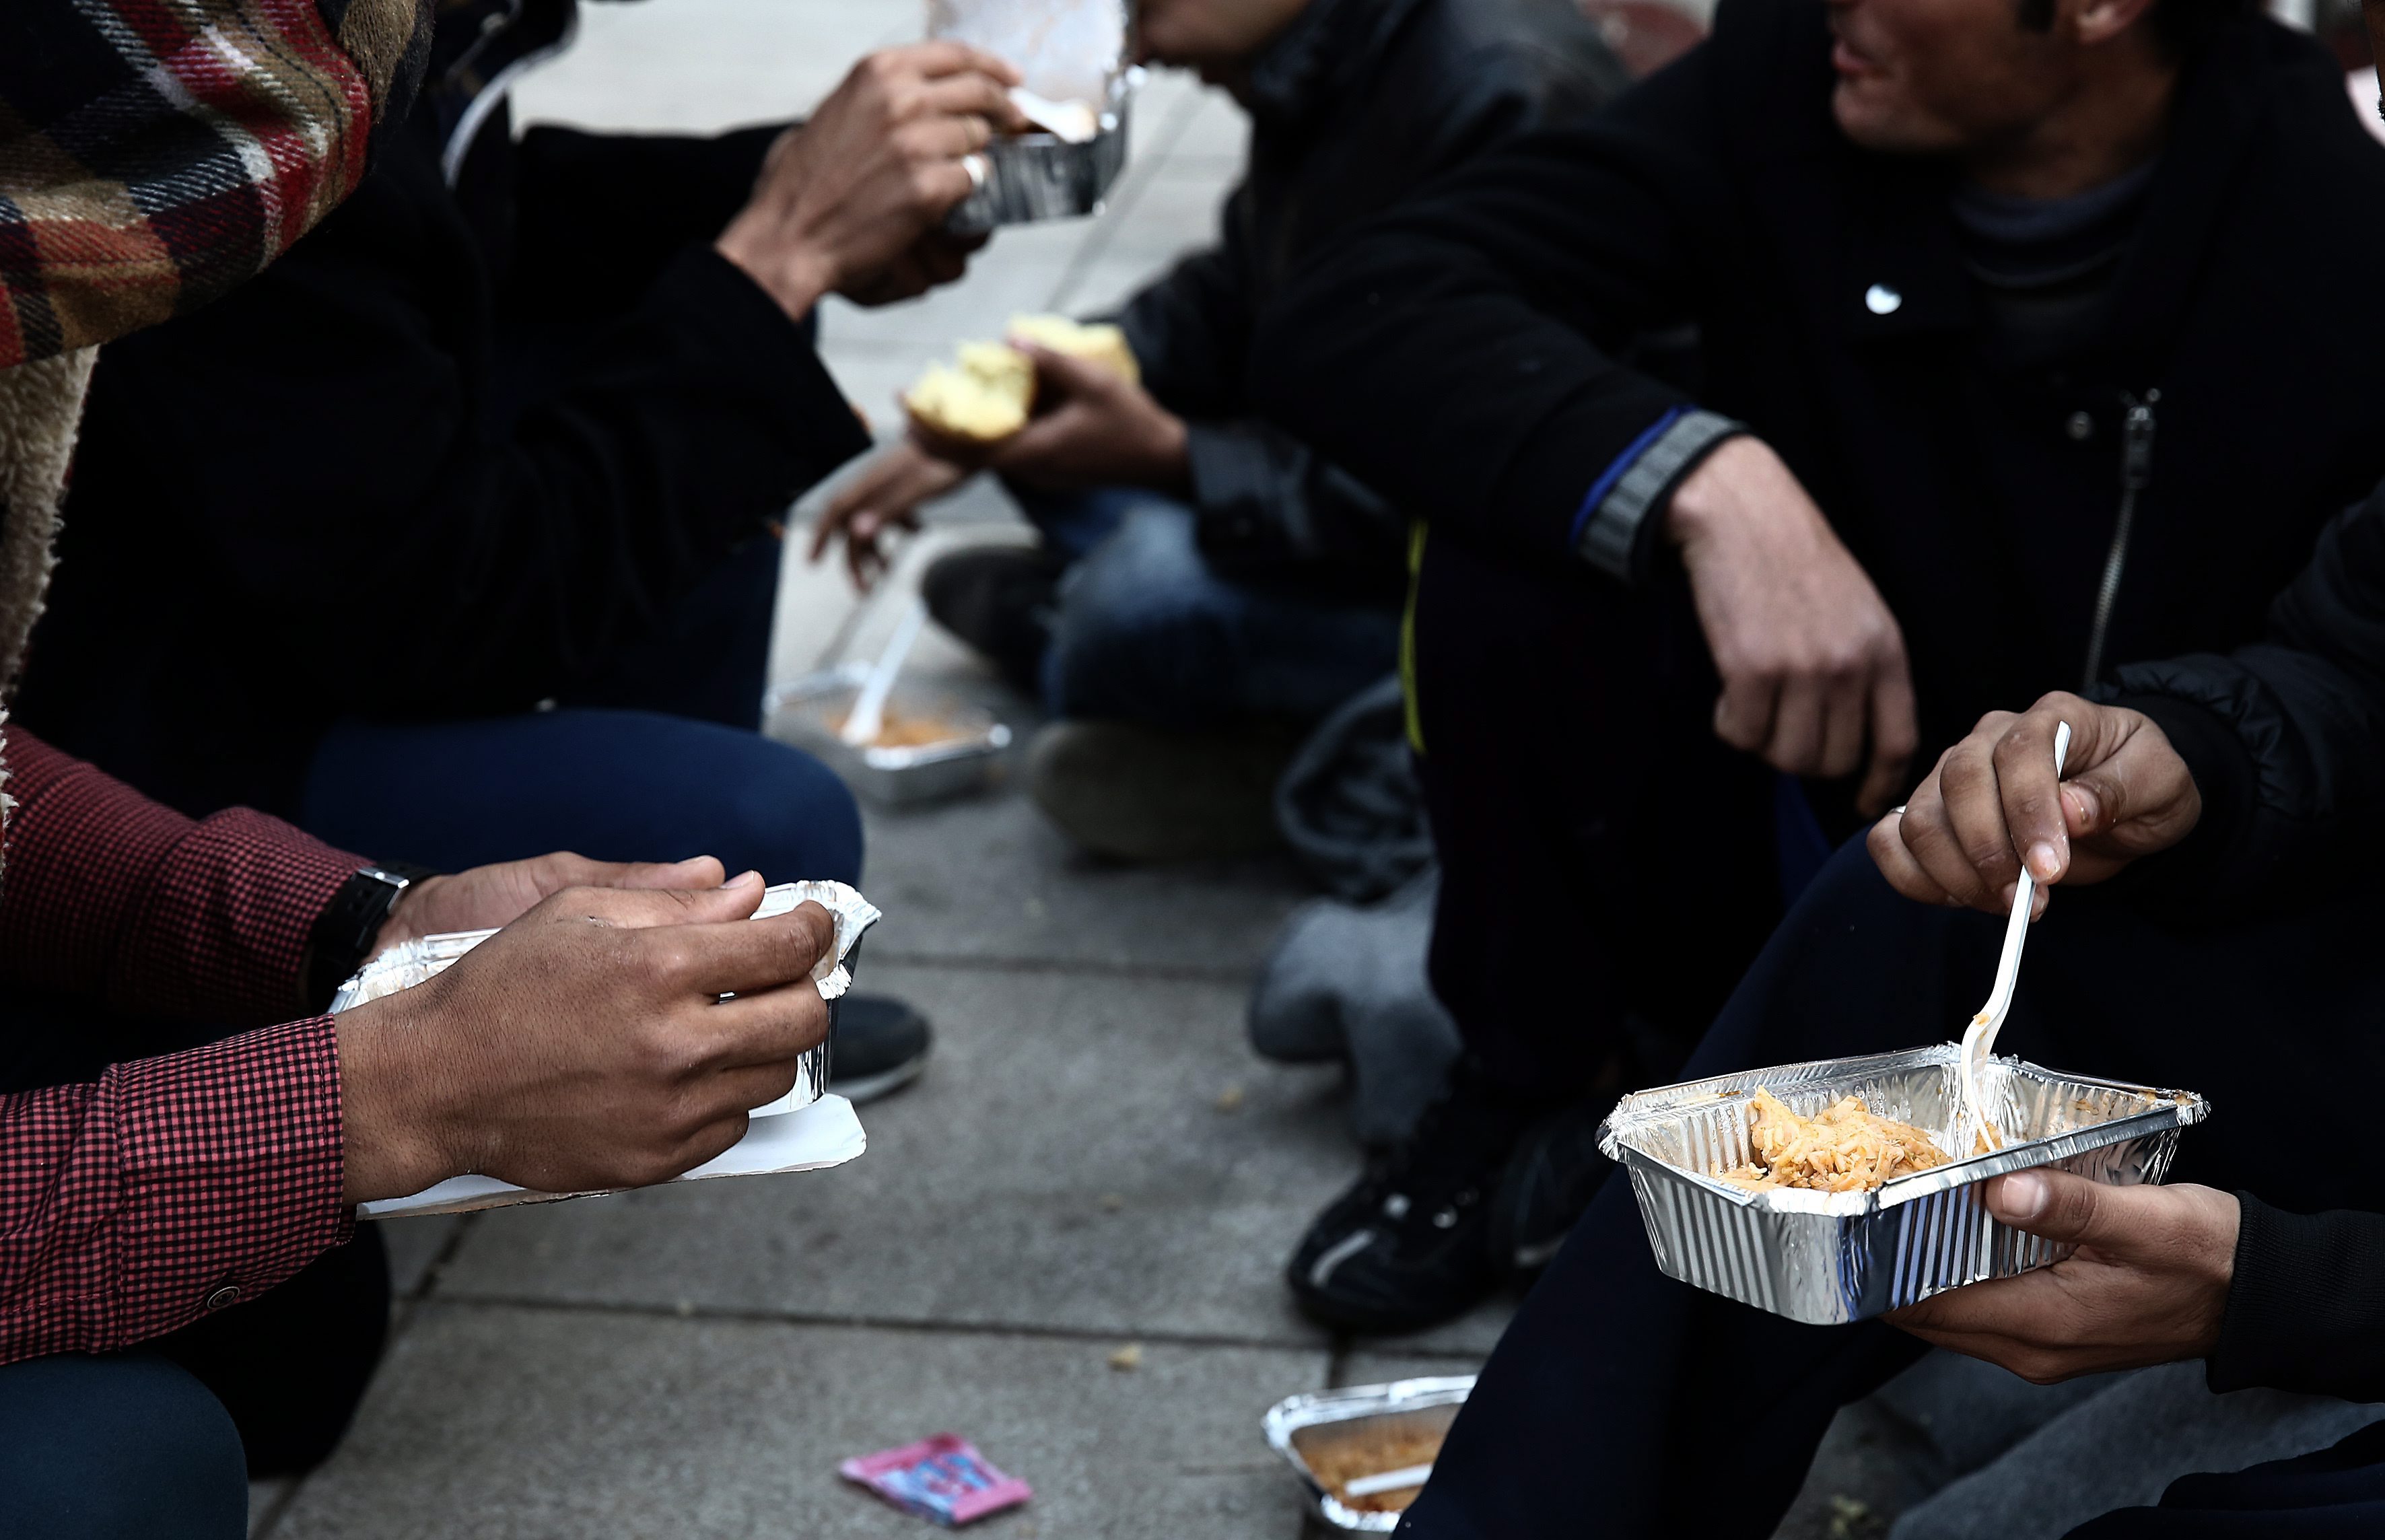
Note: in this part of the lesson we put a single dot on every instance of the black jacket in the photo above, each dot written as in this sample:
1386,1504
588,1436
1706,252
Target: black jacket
435,462
1356,104
1461,349
2286,740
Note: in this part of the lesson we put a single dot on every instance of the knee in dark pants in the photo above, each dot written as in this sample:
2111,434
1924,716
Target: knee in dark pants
291,1365
789,817
125,1448
1139,631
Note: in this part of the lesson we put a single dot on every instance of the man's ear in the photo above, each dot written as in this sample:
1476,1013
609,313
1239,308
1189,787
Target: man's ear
2098,22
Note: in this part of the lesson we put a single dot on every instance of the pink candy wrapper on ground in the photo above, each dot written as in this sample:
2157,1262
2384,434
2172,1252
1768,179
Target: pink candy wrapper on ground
942,1478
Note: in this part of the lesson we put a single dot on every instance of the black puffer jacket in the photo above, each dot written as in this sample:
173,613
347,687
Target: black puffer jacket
1356,104
2286,738
1465,349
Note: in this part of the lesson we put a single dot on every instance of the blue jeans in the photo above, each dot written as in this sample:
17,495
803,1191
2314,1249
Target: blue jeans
654,759
1147,631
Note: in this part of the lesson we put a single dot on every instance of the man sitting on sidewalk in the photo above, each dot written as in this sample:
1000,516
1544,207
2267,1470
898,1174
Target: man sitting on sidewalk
169,1177
532,407
2210,852
1988,279
1206,585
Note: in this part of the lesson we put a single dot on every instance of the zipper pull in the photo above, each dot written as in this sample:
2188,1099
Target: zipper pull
2137,441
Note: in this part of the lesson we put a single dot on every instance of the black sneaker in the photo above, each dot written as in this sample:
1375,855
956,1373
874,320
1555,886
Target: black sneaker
1550,1179
999,599
1404,1249
880,1045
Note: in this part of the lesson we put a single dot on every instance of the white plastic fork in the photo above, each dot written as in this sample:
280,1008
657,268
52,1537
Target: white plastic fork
868,717
1979,1037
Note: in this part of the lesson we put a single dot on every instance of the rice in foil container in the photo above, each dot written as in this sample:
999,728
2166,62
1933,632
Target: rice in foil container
1300,1427
411,963
1830,1258
807,712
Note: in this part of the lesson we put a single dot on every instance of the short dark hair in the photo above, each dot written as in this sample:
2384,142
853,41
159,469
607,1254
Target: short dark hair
2179,25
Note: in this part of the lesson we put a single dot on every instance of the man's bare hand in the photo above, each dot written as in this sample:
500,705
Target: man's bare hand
1993,800
485,897
884,495
2148,1284
1093,428
852,199
585,1045
1813,664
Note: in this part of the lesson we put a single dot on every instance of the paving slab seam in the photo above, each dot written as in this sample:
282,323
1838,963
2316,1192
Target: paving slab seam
263,1530
429,1279
1030,1331
1157,973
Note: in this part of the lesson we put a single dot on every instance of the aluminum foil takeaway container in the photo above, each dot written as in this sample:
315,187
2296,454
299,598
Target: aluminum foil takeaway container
807,712
1296,1424
1030,176
412,962
1069,51
1827,1258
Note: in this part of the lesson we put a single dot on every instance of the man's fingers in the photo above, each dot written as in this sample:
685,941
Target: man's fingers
1744,711
765,1029
1975,813
1930,839
697,872
940,56
1065,375
1908,877
2059,1205
639,908
1895,734
1795,745
2029,789
753,955
973,94
937,57
1842,730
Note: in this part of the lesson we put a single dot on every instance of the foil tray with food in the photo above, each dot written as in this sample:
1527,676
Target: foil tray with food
1077,87
930,745
1364,1452
774,1142
1841,1188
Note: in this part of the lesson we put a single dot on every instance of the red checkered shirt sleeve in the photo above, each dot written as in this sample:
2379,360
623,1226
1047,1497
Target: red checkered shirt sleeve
169,1185
106,894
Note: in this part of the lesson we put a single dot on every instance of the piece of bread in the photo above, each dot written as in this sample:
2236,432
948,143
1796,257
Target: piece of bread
1099,343
985,396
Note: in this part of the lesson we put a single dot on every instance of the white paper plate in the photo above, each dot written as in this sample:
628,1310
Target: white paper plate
809,1138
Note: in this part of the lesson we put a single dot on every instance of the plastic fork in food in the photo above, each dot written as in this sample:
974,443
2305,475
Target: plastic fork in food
1979,1037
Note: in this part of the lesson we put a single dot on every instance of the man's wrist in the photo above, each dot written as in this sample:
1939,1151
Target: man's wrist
1634,497
346,934
393,1142
403,924
795,274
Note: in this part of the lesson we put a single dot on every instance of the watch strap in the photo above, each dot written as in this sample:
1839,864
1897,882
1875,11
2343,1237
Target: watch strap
342,937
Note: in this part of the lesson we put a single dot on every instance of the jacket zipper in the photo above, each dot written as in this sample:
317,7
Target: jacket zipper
2136,469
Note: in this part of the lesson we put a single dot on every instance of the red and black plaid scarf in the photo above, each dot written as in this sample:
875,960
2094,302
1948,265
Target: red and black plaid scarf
156,153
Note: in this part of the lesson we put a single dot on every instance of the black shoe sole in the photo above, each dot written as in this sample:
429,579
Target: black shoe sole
886,1081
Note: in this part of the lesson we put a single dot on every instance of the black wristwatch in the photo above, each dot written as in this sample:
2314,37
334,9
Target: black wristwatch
345,932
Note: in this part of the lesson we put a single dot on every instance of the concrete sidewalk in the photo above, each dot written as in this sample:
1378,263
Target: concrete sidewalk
1095,1161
